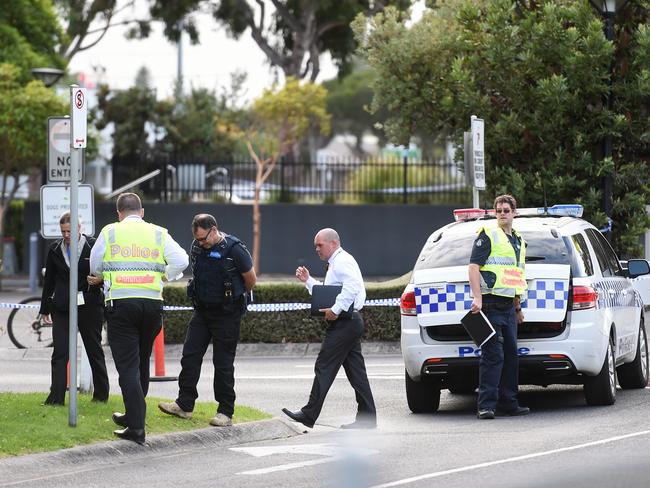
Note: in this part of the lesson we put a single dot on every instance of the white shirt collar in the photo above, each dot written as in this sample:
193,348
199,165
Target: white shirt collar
334,254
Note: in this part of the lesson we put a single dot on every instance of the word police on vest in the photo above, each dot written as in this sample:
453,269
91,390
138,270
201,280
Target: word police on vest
134,251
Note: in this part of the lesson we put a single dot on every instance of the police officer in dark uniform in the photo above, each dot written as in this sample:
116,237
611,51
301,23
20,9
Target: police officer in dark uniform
498,283
223,273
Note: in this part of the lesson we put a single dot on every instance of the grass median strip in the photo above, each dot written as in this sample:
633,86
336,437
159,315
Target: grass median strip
27,426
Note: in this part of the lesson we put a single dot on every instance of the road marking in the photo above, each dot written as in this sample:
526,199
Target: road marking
331,452
534,455
387,376
368,365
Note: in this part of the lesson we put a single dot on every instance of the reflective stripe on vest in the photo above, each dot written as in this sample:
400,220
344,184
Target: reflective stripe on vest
133,264
510,278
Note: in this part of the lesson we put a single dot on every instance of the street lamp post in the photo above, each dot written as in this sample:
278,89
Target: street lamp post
48,76
608,9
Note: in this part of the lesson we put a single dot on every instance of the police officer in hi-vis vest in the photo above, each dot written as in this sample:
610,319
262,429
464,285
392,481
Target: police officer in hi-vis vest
498,283
134,258
222,273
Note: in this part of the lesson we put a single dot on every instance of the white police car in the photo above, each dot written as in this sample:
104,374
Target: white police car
584,321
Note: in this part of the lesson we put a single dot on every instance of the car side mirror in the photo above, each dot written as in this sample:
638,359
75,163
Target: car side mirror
637,267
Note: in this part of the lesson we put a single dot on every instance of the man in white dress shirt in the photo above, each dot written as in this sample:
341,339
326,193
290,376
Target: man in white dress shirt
342,343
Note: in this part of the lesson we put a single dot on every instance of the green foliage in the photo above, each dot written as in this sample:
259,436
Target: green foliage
376,176
29,34
382,323
129,111
282,116
537,73
348,100
24,110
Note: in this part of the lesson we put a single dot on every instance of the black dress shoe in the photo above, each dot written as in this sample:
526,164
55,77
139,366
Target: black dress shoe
135,435
513,413
361,424
299,416
119,419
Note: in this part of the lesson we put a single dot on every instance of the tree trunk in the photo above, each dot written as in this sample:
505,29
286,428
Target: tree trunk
257,224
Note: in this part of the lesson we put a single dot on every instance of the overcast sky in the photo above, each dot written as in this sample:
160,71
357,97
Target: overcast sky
208,64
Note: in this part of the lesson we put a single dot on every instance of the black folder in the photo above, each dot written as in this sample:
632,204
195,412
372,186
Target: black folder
478,327
323,296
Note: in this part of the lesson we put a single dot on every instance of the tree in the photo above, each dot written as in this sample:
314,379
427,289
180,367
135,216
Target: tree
536,72
281,118
348,101
29,34
292,37
203,123
130,111
24,110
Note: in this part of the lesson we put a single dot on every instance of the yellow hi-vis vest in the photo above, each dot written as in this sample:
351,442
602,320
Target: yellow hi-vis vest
133,264
510,277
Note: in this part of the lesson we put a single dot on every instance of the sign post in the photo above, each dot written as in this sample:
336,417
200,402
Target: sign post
78,136
478,154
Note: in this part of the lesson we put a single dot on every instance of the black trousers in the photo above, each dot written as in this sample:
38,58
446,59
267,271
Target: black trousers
89,320
221,329
341,347
133,324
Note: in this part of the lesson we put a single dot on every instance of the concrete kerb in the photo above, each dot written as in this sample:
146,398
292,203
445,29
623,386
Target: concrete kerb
111,452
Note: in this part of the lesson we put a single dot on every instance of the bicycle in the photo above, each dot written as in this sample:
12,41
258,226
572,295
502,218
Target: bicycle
26,326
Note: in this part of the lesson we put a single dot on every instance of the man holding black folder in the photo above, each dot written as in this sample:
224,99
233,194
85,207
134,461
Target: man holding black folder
497,280
342,343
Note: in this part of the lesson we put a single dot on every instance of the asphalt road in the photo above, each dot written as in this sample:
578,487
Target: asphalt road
562,443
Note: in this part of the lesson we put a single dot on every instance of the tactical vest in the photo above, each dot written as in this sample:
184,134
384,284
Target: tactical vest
502,262
216,280
134,263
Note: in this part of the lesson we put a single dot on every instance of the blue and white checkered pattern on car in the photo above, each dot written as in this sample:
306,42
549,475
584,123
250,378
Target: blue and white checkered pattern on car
445,298
547,294
542,294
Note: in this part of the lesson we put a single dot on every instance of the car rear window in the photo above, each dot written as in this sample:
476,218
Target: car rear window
543,248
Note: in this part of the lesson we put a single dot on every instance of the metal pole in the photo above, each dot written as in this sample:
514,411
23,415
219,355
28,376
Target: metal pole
75,158
608,184
33,262
405,190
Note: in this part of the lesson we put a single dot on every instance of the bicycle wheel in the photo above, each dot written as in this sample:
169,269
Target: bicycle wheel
26,329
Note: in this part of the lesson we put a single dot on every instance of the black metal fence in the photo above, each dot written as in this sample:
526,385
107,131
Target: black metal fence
398,180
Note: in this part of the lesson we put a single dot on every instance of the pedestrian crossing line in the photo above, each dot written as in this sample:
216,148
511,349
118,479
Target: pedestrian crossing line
525,457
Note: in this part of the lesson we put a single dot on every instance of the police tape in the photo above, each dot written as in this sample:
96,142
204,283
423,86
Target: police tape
254,307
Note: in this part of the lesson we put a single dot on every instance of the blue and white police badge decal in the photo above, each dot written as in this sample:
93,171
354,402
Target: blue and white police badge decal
215,254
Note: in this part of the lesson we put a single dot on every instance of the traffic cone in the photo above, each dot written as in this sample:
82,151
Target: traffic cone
159,358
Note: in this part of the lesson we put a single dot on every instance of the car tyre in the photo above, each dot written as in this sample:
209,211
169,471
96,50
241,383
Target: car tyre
601,389
635,374
422,396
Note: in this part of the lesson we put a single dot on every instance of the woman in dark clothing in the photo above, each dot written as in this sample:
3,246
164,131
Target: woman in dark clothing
55,308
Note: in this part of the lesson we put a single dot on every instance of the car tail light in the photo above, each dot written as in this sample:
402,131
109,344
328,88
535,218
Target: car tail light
584,297
407,303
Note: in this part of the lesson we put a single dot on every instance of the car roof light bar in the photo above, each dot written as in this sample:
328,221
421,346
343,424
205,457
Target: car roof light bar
558,210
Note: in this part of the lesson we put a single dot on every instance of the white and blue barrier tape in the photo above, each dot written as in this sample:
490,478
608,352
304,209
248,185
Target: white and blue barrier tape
254,307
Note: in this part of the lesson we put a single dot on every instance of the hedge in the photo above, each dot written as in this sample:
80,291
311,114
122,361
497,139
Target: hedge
382,323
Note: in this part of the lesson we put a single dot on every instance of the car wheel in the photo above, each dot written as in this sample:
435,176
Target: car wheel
422,396
601,389
635,374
